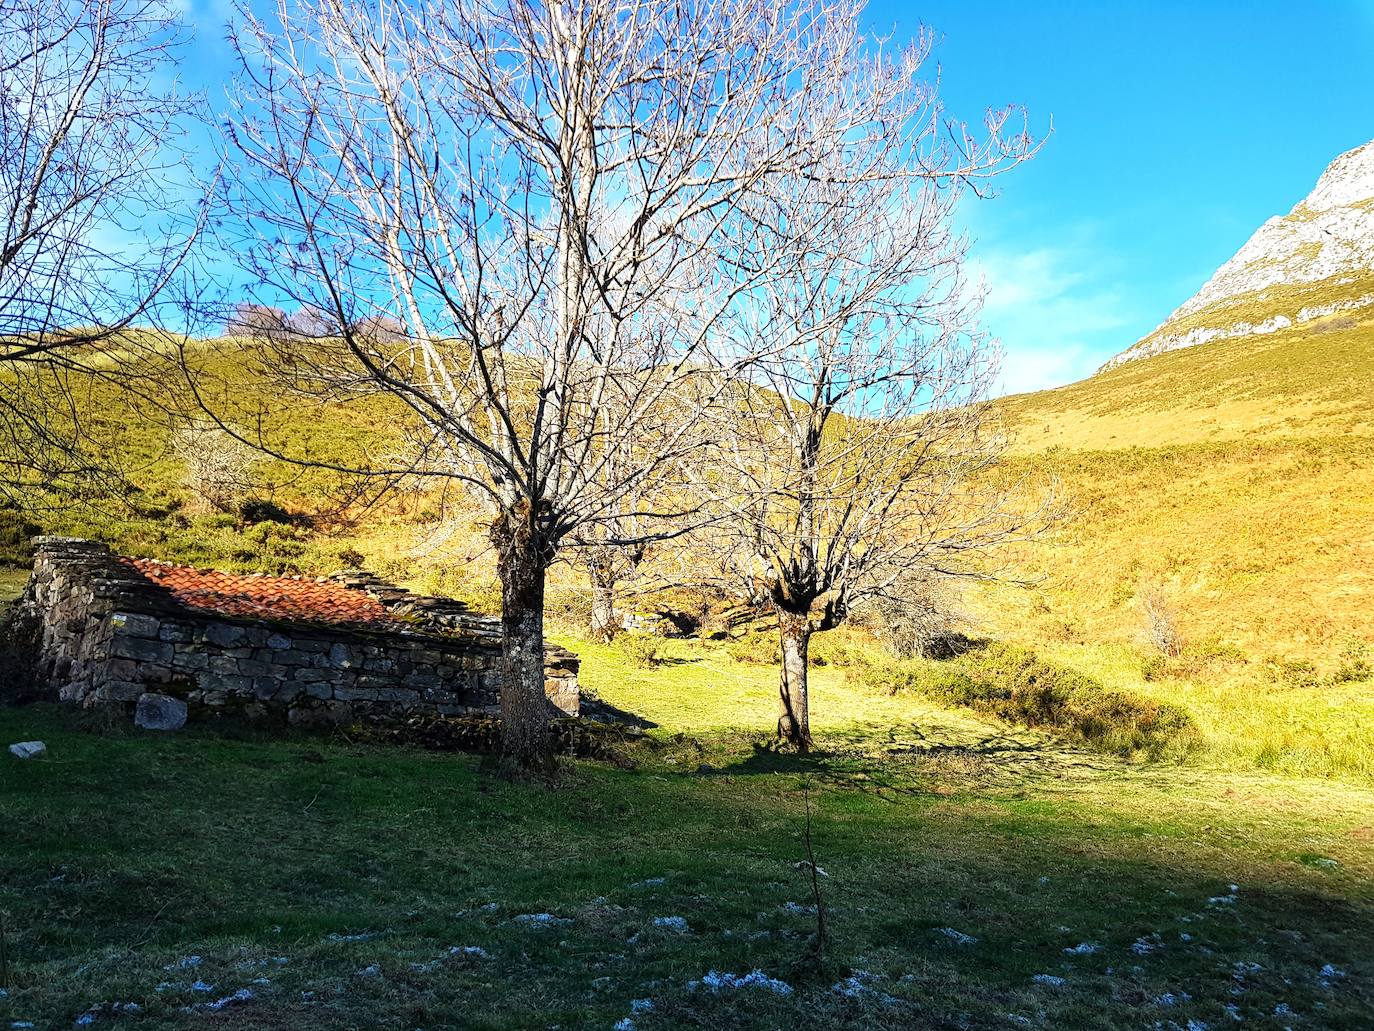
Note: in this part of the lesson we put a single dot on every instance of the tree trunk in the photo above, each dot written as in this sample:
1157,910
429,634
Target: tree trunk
603,610
525,709
794,720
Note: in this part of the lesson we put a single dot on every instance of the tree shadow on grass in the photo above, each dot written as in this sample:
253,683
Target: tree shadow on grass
923,766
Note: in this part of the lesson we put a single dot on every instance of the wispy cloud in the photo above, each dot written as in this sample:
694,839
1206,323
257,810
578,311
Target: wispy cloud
1058,310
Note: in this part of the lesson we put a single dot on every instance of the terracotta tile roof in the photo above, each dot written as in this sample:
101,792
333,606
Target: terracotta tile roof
254,596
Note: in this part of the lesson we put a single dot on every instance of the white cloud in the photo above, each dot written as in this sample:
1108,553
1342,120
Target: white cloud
1055,309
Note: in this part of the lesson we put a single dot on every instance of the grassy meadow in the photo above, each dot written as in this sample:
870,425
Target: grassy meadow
977,876
1120,838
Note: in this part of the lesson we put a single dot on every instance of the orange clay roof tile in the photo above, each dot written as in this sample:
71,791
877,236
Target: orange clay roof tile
256,596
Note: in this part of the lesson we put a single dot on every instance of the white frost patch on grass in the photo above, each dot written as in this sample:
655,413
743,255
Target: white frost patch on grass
241,995
1049,980
624,1024
715,981
1172,998
1233,1011
798,909
650,882
185,963
371,970
1329,973
958,937
475,951
1084,949
540,920
676,924
364,937
1146,944
641,1005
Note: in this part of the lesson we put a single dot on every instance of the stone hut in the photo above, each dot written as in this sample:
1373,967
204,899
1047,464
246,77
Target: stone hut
170,642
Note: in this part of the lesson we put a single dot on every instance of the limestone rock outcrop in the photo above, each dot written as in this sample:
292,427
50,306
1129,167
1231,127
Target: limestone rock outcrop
1314,262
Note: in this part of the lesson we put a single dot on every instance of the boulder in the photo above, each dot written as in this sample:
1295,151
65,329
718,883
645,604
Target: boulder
160,712
28,750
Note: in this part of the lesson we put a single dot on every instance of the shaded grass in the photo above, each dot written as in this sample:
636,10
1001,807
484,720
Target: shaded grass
127,853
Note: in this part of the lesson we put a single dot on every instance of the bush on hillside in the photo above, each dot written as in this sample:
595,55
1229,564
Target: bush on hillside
639,648
921,617
261,510
1161,624
1014,684
756,649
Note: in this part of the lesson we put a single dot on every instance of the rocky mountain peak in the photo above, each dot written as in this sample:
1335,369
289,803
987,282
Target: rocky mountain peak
1314,262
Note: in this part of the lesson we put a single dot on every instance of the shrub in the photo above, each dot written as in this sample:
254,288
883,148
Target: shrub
1014,684
219,466
260,510
757,649
1161,625
839,649
639,648
921,617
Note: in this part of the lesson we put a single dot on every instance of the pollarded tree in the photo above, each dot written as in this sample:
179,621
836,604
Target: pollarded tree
862,448
89,176
535,191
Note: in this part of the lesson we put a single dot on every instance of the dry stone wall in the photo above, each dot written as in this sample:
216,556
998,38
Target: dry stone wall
111,637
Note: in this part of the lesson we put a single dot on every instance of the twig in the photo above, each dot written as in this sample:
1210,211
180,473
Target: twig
822,930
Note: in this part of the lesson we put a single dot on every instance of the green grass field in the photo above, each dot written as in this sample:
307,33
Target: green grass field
343,884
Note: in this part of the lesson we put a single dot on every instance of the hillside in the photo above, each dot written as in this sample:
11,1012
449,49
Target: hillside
1314,262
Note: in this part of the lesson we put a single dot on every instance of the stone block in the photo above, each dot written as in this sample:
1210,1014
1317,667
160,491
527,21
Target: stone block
120,669
235,684
278,642
355,694
320,690
254,668
292,657
177,632
397,694
121,690
190,660
136,624
224,635
342,656
29,750
159,712
141,648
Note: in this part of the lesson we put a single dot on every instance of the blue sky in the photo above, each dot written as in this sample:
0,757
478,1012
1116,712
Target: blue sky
1178,129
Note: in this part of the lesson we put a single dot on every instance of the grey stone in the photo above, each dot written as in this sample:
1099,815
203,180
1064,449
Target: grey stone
28,750
320,690
136,624
344,657
224,635
174,632
355,694
278,642
141,648
191,660
160,712
123,690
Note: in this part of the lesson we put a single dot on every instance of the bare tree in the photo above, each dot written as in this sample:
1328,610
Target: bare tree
536,191
88,170
861,449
